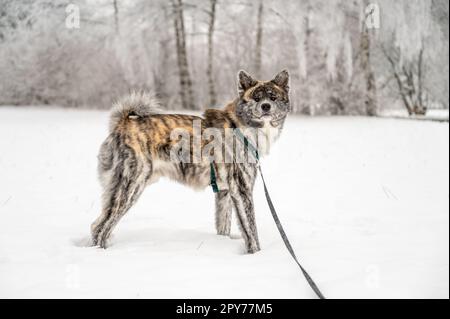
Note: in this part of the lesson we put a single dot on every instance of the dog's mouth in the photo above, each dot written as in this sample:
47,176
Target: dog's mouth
268,118
263,116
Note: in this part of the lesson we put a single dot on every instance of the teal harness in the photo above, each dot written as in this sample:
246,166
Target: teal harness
213,183
249,146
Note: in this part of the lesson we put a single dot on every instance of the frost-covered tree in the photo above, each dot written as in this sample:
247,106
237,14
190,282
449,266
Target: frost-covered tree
189,51
413,42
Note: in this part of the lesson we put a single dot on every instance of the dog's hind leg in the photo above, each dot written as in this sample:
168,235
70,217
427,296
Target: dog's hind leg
223,212
122,187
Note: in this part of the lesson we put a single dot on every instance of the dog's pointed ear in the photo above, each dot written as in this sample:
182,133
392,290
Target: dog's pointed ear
282,80
245,81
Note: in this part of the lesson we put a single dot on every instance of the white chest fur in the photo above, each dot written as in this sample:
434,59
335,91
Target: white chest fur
267,136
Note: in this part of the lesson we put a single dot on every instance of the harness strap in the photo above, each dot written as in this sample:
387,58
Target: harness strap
214,186
246,143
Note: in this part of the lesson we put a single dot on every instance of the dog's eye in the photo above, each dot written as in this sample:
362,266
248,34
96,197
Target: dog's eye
273,97
256,98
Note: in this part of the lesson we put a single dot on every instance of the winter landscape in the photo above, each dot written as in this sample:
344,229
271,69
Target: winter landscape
359,176
363,200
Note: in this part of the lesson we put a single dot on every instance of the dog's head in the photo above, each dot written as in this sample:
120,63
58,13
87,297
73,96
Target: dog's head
263,102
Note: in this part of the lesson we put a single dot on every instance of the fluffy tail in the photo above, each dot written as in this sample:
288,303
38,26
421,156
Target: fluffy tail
134,106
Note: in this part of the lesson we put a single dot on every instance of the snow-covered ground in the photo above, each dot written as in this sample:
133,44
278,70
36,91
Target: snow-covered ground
364,201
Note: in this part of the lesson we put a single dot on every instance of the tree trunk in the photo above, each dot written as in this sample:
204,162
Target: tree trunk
370,99
186,93
259,36
306,103
116,17
160,70
409,89
422,104
210,69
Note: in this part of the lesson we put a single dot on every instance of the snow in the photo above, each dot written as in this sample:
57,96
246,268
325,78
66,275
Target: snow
364,201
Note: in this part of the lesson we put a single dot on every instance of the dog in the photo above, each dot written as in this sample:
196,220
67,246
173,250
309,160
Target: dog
141,147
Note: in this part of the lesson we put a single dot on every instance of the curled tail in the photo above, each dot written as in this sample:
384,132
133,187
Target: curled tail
134,106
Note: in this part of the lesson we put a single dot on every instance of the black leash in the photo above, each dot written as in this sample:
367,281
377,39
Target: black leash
255,153
310,281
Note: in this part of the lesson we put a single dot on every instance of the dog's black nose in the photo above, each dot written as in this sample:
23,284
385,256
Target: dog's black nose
265,107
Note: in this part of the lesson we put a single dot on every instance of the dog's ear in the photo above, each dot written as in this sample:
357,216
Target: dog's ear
245,81
282,80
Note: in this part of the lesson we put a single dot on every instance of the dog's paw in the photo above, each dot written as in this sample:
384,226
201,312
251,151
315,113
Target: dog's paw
223,233
253,249
83,242
103,243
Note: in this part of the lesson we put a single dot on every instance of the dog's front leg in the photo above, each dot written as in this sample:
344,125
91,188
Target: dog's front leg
223,213
243,203
241,192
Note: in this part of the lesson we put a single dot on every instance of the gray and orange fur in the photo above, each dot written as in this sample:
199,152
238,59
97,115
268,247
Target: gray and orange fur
136,154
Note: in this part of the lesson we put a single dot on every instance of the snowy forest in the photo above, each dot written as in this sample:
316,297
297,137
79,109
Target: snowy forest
359,176
356,57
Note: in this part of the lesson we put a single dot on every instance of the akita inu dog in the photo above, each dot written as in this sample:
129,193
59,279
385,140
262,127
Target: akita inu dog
141,148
